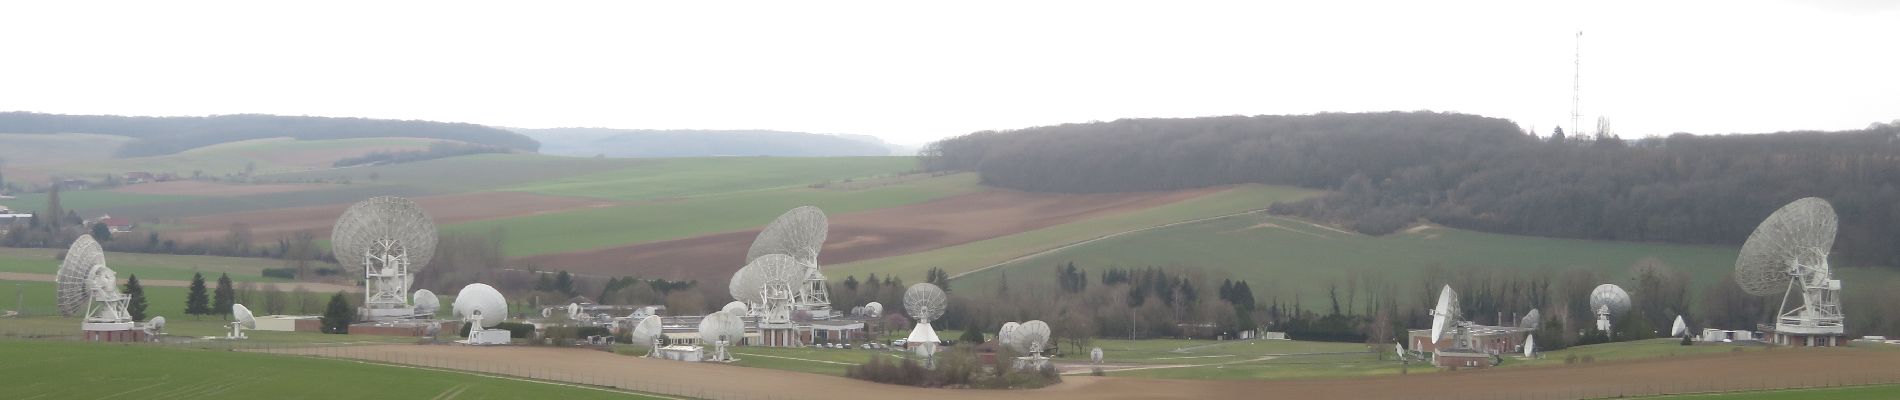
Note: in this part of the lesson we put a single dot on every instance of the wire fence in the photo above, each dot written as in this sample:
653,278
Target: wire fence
1687,382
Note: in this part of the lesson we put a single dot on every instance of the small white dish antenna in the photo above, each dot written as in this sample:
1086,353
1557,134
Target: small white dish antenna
1679,329
241,319
1530,345
155,327
1095,355
646,332
721,330
574,311
735,308
480,306
873,309
426,303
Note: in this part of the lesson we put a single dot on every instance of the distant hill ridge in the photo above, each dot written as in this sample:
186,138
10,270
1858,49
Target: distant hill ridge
701,143
167,135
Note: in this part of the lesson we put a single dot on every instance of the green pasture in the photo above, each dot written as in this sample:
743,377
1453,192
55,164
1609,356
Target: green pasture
36,298
230,158
971,256
683,177
1285,257
92,203
29,150
463,174
148,266
675,219
47,369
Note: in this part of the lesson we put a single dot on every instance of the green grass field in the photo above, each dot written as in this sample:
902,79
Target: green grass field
265,155
970,256
1287,256
676,219
43,369
149,266
92,203
36,298
26,150
684,177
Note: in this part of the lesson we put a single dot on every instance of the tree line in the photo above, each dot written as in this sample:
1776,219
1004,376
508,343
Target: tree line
166,135
1389,170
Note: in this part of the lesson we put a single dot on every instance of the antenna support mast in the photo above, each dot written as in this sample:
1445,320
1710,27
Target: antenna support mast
1576,87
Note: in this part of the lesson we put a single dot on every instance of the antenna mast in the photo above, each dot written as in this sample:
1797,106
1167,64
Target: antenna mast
1576,86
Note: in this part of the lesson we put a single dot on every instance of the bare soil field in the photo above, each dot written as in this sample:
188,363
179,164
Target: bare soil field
868,235
1719,372
270,225
210,189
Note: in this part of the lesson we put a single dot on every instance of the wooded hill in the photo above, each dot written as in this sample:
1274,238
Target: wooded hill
167,135
1391,170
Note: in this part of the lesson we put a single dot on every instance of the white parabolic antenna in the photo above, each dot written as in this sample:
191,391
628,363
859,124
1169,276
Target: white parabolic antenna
481,303
645,331
155,326
1679,329
87,287
1530,345
1007,335
1787,254
721,330
1611,298
1031,337
874,309
389,239
426,302
734,308
925,302
573,311
800,234
1531,320
1445,314
241,319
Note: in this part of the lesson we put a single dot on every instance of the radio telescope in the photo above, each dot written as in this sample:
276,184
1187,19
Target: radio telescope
241,319
1447,316
800,234
721,330
1787,254
1679,328
1007,335
647,333
1531,320
389,239
1608,300
481,307
426,302
924,302
1030,338
87,287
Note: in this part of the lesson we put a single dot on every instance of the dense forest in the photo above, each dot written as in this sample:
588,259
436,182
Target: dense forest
166,135
1391,170
588,142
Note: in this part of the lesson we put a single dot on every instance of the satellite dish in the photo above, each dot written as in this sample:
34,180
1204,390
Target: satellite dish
775,280
799,233
574,311
389,239
481,303
1095,355
1445,314
645,331
241,319
1679,329
1007,335
924,302
1788,253
873,309
1399,349
86,285
426,302
1530,345
1610,297
1531,320
155,326
1031,337
735,308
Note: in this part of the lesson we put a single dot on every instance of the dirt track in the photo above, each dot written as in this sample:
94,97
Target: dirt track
270,225
1720,372
870,234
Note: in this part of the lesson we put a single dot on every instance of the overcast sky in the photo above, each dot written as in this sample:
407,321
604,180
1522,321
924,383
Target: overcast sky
912,73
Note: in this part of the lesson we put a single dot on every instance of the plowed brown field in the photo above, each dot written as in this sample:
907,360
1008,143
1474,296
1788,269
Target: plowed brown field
867,235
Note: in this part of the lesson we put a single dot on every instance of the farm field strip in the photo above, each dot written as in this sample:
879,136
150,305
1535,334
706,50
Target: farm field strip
149,266
971,256
692,177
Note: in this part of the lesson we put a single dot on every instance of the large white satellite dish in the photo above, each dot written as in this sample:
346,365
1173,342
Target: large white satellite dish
1031,337
1531,320
241,319
389,239
1446,314
1608,301
924,302
1679,328
800,234
86,287
721,330
480,307
426,302
1787,254
646,331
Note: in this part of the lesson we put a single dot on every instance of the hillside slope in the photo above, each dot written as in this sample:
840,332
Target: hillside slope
167,135
588,142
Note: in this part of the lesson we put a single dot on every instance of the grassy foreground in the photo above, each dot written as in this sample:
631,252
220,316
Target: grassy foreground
43,369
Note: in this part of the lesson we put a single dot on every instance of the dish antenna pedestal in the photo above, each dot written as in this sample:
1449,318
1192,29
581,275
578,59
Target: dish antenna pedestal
1787,254
389,239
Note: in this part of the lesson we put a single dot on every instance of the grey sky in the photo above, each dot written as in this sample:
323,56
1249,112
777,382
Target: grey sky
911,73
